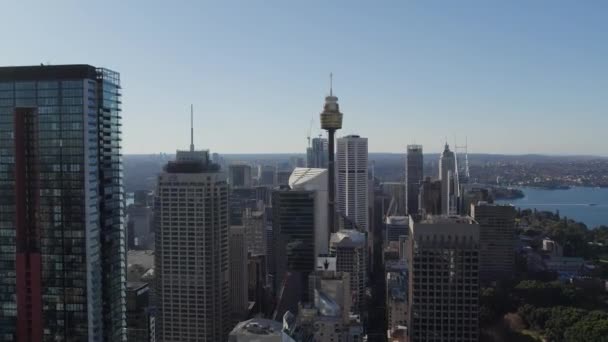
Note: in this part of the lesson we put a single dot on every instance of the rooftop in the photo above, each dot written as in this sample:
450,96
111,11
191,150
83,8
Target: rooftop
258,326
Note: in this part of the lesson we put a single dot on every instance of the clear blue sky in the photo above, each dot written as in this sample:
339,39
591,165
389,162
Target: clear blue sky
513,76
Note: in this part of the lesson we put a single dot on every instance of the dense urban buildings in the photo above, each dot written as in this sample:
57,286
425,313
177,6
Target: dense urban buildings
497,240
238,274
443,286
352,182
449,181
239,175
414,173
267,175
140,317
62,237
430,197
259,330
191,262
317,153
350,249
397,191
255,231
396,226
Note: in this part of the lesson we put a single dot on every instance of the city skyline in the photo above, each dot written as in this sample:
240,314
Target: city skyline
405,73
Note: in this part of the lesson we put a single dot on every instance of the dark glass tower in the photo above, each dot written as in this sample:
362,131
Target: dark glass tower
62,240
413,177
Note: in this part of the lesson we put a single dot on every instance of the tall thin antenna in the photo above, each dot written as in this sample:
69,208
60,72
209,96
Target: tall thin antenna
331,83
191,128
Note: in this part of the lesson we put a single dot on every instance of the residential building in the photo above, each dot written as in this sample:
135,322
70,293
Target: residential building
414,173
352,186
192,260
443,286
62,234
497,239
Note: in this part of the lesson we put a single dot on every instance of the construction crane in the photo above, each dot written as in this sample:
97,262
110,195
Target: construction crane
310,130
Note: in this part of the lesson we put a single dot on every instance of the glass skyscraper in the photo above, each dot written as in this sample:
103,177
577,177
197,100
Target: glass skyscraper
62,239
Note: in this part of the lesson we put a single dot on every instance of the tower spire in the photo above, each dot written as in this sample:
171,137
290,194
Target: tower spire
191,128
331,83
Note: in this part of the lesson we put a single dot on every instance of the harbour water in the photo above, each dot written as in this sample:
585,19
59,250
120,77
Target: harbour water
587,205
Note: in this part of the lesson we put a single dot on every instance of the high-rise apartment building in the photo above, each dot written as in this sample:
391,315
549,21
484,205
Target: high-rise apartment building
352,187
238,274
449,181
62,237
350,249
316,154
414,173
239,176
443,265
192,273
497,240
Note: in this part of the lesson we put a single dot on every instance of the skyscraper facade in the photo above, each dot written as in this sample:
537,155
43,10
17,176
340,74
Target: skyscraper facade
443,265
191,262
350,249
239,176
352,187
62,236
316,154
238,274
449,181
497,240
414,172
397,191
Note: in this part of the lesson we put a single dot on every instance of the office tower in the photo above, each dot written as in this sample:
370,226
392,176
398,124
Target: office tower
350,249
267,175
241,200
293,232
62,238
259,330
140,319
430,197
317,153
239,176
238,273
396,226
255,231
497,240
192,259
414,172
283,177
396,299
315,180
352,179
474,195
140,221
449,181
397,191
257,272
331,120
443,265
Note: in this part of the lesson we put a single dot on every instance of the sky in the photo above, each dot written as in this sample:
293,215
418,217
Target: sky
511,77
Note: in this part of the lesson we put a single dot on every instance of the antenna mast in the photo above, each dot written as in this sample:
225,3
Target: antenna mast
191,128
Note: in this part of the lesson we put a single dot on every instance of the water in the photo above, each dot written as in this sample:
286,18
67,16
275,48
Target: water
573,203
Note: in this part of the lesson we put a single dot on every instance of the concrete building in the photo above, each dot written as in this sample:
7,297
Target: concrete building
259,330
239,176
140,317
309,179
352,187
449,181
497,240
414,173
396,226
350,249
61,204
192,260
443,286
430,200
396,300
239,279
397,192
255,232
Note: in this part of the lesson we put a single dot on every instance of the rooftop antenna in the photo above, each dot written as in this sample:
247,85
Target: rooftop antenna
191,128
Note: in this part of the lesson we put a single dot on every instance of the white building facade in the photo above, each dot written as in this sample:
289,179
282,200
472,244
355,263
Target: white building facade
352,184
